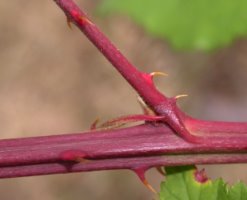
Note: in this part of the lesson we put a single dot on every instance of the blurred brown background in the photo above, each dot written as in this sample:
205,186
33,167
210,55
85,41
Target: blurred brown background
53,81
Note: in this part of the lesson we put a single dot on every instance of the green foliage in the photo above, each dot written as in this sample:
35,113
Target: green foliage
238,191
190,24
181,184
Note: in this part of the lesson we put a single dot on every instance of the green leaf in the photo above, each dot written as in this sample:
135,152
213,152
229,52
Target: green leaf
187,183
189,24
238,191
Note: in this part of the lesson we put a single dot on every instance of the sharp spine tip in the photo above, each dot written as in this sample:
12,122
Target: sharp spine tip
140,172
94,125
181,96
69,23
145,108
161,171
152,74
145,182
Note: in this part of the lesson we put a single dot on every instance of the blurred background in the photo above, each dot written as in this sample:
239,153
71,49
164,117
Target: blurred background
54,81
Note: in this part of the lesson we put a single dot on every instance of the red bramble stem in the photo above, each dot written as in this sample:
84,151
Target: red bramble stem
169,139
185,126
136,148
140,81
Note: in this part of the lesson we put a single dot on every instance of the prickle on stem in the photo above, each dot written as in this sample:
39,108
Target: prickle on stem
73,156
152,74
94,125
69,22
145,108
161,171
121,121
140,172
181,96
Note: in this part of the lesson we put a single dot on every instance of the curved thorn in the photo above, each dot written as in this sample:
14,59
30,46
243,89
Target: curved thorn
161,171
140,172
145,182
121,121
181,96
141,102
152,74
69,23
94,124
145,108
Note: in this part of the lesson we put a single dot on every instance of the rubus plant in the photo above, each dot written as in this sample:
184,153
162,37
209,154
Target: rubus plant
168,137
